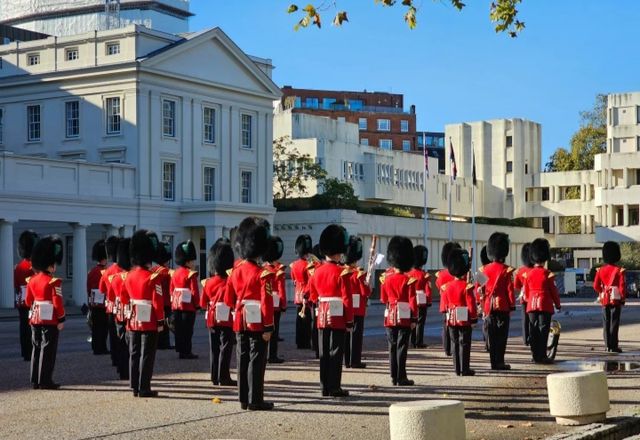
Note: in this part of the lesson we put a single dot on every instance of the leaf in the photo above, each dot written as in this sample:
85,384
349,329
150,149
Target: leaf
310,9
216,400
410,17
505,426
526,425
340,18
292,8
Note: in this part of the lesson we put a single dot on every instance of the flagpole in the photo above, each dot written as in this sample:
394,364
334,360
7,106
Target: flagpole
450,185
473,209
425,180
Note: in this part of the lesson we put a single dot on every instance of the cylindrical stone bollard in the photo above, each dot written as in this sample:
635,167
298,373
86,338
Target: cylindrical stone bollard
427,420
578,397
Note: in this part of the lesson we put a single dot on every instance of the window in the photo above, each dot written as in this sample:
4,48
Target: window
328,103
209,184
509,167
545,194
362,123
168,118
404,126
355,104
113,115
245,186
33,121
526,168
247,122
364,141
209,125
406,145
72,118
509,192
113,48
68,241
168,181
311,103
33,59
384,125
71,54
634,216
385,144
509,141
1,124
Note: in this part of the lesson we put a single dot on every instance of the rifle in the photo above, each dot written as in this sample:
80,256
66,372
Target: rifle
372,258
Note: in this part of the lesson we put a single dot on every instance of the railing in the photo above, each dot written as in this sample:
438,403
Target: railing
348,108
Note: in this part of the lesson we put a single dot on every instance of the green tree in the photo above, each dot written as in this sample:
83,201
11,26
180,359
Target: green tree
292,170
503,13
336,194
589,140
630,255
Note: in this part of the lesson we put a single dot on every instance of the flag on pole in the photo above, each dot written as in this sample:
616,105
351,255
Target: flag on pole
452,158
473,172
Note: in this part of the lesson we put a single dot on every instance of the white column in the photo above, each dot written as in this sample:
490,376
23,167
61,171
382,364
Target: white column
79,264
6,264
113,230
625,215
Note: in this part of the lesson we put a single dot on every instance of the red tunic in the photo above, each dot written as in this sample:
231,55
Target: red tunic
45,291
498,292
518,282
278,287
423,286
165,282
249,294
359,287
105,283
142,292
398,292
459,294
93,283
540,290
442,278
184,278
610,285
213,292
300,278
21,272
116,285
329,288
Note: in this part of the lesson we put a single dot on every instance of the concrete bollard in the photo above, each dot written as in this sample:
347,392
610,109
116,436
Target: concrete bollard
427,420
578,397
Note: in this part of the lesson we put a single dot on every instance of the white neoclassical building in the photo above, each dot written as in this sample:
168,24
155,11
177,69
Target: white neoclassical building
109,131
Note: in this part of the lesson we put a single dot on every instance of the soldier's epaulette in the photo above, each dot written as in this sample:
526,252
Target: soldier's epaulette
622,269
265,273
438,273
481,269
552,275
192,273
291,266
280,272
171,272
26,280
361,273
597,269
470,286
411,281
110,278
524,275
382,278
123,275
427,275
154,275
203,282
346,271
509,269
103,271
54,280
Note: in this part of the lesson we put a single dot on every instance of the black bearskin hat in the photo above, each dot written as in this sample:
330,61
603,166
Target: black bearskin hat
611,252
111,246
420,256
446,249
142,248
99,251
303,245
47,252
164,253
400,253
540,251
315,250
252,237
498,246
458,264
220,258
124,257
354,250
185,251
334,240
525,255
274,250
484,258
26,242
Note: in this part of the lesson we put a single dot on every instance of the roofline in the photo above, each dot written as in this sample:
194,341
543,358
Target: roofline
363,92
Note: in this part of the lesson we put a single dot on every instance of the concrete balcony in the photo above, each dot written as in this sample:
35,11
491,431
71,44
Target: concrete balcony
618,233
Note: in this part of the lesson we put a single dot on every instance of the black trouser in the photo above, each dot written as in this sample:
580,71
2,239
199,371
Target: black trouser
113,338
25,333
164,337
398,339
611,324
142,352
525,324
303,327
353,343
122,363
315,344
331,353
184,330
446,339
417,334
99,330
250,357
461,340
485,333
220,346
44,340
539,325
273,342
498,332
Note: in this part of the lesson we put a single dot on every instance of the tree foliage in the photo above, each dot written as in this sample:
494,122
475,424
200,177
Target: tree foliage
292,170
630,255
336,194
589,140
503,13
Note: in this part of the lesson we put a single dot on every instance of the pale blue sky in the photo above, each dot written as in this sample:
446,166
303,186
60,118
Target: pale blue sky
453,67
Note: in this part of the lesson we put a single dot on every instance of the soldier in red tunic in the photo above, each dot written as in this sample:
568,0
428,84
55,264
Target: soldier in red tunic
185,297
217,314
398,293
360,293
423,293
96,299
442,278
480,287
21,272
111,246
44,298
541,295
610,285
316,259
271,263
300,278
249,294
163,259
499,299
518,284
461,311
142,296
116,286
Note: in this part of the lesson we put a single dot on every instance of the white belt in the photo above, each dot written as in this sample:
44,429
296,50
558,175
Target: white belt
143,310
252,313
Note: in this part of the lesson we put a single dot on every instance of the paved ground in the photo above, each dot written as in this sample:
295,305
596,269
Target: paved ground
498,406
